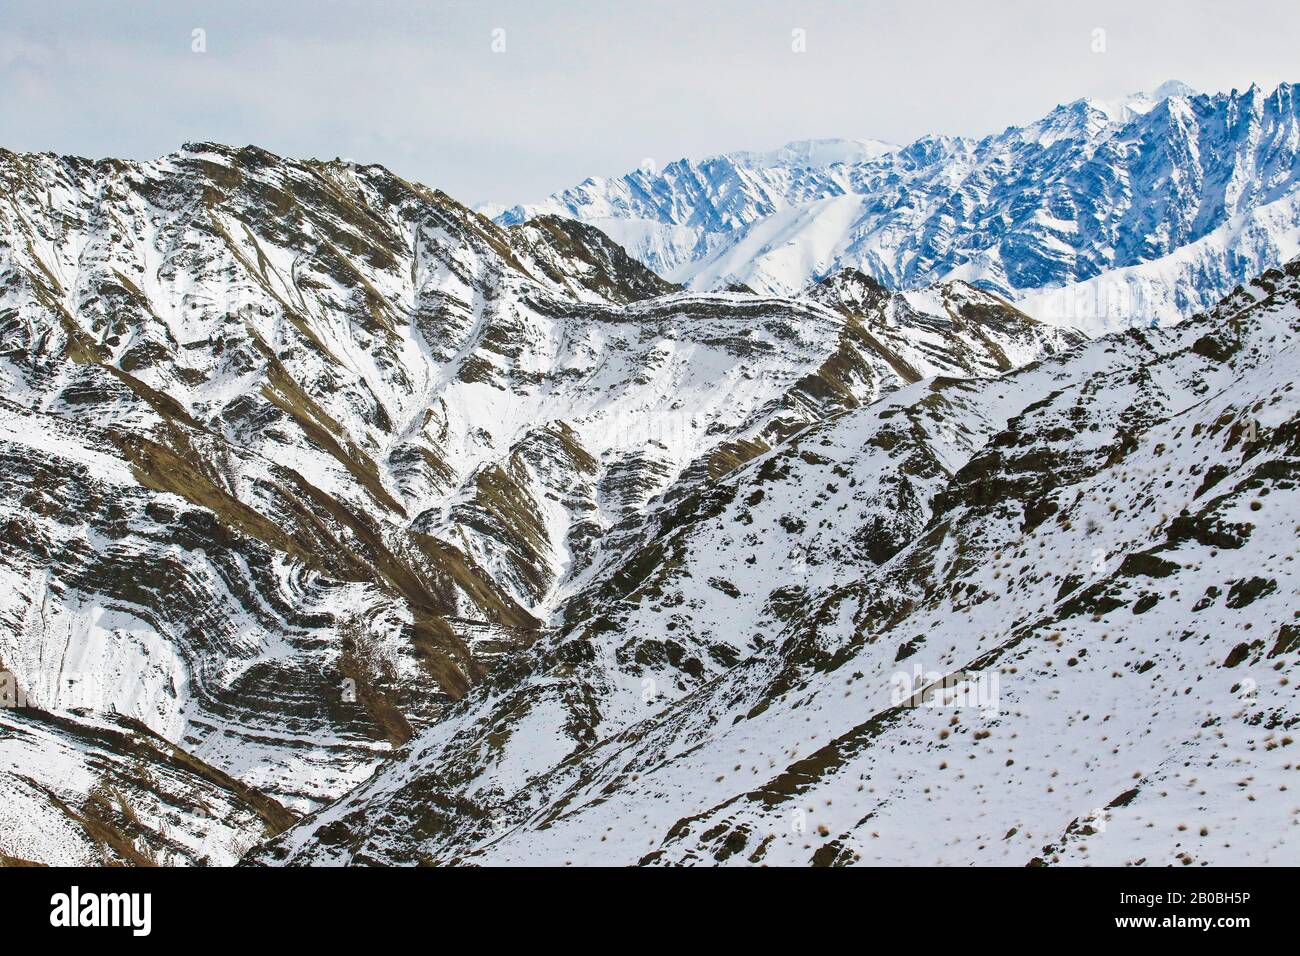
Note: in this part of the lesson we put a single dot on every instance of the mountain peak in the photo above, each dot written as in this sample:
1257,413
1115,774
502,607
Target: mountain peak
1124,108
814,153
1172,88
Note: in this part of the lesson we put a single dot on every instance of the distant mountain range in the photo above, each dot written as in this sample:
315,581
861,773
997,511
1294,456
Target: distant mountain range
1101,214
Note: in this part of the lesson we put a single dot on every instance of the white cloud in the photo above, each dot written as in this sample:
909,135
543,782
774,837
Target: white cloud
590,87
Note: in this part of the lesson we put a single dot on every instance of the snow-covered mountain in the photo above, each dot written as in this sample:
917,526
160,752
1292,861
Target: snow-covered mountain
1125,108
1046,617
298,453
1196,191
343,525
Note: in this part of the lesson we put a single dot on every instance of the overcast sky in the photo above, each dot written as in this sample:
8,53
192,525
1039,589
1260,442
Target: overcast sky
590,88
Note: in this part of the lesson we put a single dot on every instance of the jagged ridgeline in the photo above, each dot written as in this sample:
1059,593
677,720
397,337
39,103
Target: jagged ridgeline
1099,214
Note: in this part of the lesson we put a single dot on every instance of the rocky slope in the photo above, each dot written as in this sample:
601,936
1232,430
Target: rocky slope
1045,617
1060,203
299,455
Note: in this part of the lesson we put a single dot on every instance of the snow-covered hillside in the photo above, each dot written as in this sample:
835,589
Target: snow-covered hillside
1172,287
1200,187
1042,618
299,453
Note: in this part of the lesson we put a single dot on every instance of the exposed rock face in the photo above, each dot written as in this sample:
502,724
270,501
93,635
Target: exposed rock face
1093,554
92,791
300,455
